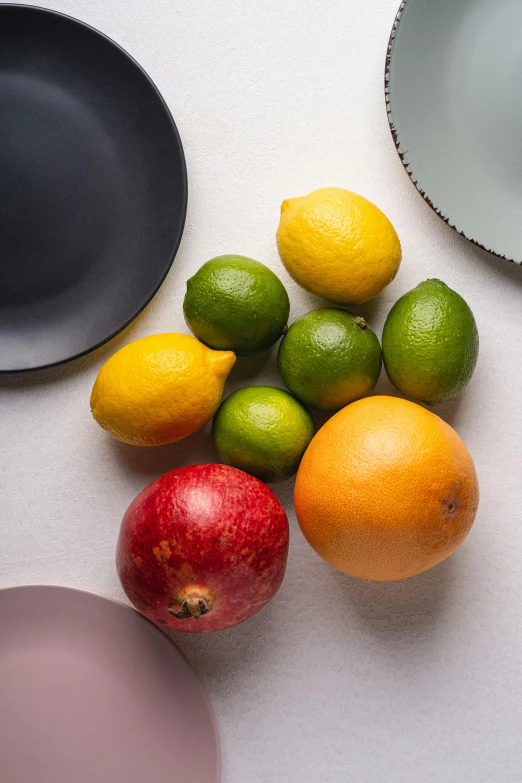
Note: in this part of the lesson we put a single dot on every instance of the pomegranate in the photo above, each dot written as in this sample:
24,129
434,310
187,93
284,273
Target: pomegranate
202,548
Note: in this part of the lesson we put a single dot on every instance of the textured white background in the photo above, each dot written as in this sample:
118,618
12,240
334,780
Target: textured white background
337,680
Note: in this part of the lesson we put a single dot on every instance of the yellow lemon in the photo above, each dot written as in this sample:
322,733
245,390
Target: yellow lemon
338,245
159,389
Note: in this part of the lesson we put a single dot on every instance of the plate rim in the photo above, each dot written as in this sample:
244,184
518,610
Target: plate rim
159,633
396,140
60,362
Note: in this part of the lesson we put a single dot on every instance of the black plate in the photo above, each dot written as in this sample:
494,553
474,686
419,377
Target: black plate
93,188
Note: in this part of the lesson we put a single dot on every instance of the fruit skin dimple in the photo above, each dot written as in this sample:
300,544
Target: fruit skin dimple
159,389
338,245
236,303
386,490
329,358
430,343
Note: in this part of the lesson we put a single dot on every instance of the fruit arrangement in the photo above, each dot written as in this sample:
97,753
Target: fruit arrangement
384,490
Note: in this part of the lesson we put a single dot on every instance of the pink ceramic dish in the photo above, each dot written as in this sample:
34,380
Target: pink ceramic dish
91,691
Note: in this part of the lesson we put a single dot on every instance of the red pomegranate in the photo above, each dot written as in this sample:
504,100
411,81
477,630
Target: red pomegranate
202,548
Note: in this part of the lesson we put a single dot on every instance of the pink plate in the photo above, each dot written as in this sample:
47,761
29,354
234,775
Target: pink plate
91,692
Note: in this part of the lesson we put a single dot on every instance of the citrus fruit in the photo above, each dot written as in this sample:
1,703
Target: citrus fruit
338,245
262,430
386,490
430,343
234,303
329,358
159,389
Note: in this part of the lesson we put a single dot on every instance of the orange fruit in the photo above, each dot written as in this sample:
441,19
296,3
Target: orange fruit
386,490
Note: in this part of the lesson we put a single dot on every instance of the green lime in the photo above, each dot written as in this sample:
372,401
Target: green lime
234,303
329,358
262,430
430,343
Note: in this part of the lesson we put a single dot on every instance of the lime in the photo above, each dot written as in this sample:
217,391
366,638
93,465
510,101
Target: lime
430,343
329,358
234,303
262,430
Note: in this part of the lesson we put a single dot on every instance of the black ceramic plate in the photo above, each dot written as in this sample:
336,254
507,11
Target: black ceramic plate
93,188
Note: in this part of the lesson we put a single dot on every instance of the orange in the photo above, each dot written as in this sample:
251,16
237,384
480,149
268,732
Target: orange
386,490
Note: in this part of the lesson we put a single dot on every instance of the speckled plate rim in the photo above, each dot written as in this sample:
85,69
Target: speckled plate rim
395,135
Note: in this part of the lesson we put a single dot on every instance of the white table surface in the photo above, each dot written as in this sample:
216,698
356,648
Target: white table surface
337,680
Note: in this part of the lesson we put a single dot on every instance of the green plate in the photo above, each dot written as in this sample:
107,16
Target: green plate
454,98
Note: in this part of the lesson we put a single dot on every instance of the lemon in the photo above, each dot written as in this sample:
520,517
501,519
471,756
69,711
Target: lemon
338,245
159,389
